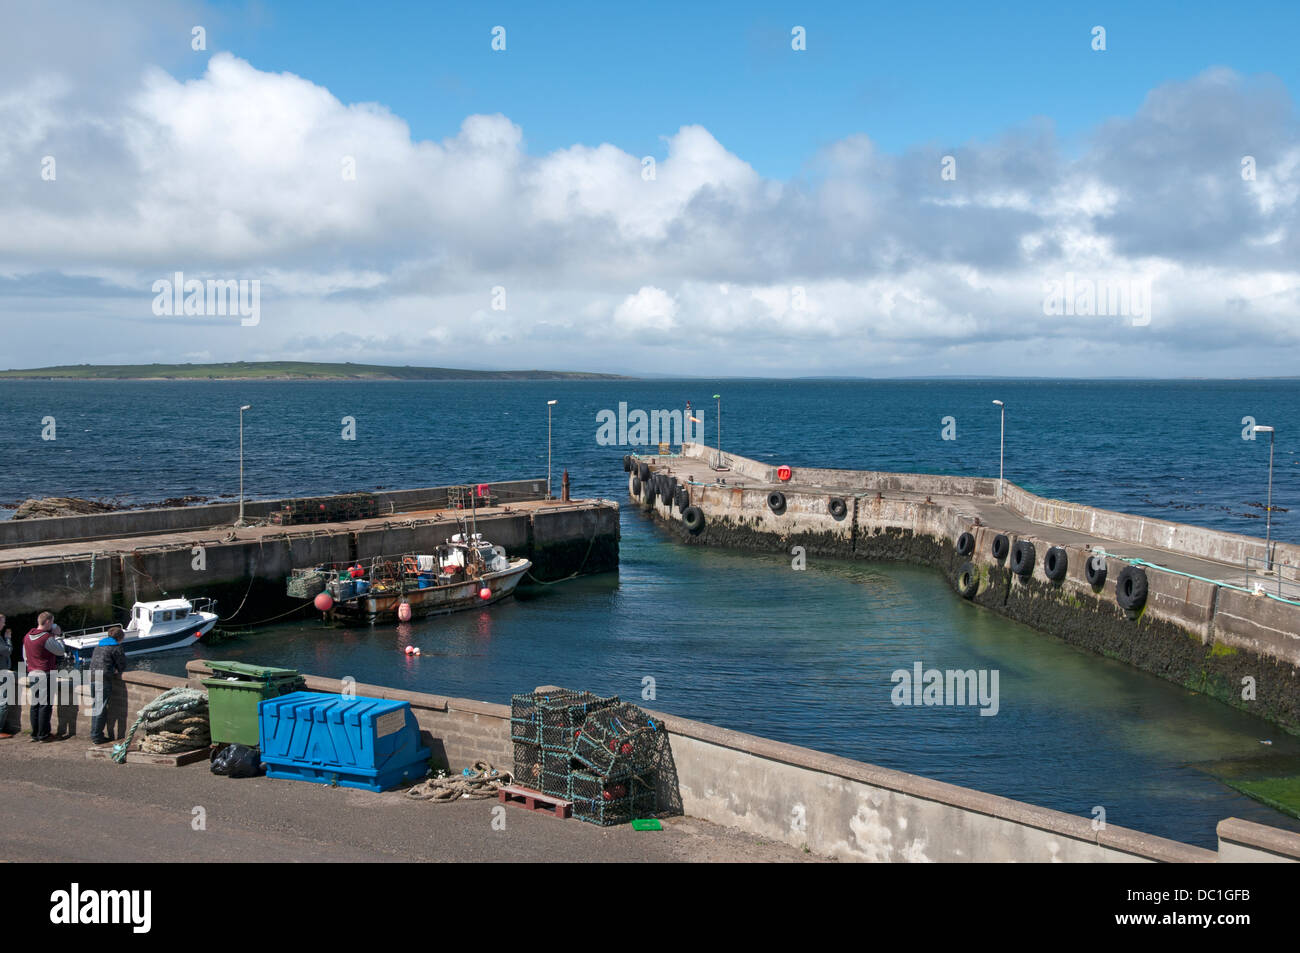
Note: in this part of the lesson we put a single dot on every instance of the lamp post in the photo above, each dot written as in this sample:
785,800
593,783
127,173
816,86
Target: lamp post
717,464
1268,511
1002,443
240,521
549,405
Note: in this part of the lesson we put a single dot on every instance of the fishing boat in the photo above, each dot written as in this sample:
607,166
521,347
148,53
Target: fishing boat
467,572
153,627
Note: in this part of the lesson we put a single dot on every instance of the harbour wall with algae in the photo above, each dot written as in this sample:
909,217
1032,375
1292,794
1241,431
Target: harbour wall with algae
1211,636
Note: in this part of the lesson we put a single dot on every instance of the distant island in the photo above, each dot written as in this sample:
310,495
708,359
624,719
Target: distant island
288,371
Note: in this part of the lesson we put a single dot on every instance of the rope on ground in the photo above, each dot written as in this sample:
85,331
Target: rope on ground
177,720
480,781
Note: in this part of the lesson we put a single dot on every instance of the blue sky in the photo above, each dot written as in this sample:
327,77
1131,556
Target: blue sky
399,192
629,74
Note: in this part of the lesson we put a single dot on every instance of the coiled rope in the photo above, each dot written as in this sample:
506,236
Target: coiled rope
480,781
177,720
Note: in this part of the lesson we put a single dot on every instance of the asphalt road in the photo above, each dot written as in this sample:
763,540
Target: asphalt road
59,806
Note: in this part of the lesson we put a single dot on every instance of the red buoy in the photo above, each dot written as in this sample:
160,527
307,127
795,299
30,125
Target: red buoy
485,593
404,612
783,473
324,602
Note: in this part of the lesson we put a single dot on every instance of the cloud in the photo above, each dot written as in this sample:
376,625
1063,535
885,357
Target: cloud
373,246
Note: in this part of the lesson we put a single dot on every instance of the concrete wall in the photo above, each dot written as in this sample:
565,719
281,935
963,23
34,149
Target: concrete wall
15,533
1230,548
1191,631
834,806
1246,842
247,575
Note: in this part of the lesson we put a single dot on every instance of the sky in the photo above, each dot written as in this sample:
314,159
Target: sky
756,189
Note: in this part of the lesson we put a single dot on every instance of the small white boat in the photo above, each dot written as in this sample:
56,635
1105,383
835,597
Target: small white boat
154,627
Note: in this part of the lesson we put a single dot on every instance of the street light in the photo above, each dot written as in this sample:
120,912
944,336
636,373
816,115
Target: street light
549,405
240,521
1268,512
717,464
1002,443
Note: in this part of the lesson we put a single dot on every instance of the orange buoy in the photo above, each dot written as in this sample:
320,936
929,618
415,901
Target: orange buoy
485,593
404,612
323,601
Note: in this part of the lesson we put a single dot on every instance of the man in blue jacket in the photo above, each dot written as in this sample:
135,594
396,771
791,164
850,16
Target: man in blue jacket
107,662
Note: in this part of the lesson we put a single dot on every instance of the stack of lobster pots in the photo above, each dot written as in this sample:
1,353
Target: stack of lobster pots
598,753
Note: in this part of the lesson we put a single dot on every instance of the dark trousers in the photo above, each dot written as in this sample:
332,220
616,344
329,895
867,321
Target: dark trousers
101,691
42,702
42,687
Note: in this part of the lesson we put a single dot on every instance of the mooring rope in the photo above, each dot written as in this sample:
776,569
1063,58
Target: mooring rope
480,781
175,718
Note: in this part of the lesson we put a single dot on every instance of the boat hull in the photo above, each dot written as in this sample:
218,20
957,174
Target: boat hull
134,645
436,600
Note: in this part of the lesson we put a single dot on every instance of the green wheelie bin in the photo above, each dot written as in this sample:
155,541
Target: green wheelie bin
234,692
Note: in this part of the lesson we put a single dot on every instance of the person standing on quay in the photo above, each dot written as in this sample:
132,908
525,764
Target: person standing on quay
8,684
107,662
39,654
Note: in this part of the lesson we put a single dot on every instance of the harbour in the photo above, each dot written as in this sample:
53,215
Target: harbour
734,638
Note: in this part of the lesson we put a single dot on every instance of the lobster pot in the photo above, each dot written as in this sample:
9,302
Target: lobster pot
617,802
622,737
528,765
557,773
562,717
307,585
526,717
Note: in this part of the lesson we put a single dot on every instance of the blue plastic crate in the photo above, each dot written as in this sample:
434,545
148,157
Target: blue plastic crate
367,743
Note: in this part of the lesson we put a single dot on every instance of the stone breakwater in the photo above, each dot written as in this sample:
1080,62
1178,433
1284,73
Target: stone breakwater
1168,598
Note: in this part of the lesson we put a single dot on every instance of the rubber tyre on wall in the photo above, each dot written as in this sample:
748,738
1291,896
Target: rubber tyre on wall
1095,570
1022,557
837,508
627,463
636,486
965,544
670,491
1131,587
968,581
1055,563
693,519
643,470
776,502
1001,546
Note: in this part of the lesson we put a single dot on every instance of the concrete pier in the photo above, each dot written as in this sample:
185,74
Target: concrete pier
848,810
84,567
1200,624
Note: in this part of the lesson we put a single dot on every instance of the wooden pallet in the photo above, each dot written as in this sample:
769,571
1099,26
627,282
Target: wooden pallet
135,756
535,800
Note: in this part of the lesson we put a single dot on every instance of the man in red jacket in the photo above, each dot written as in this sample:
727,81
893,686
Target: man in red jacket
41,662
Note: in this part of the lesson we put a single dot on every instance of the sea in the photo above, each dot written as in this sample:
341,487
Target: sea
743,640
